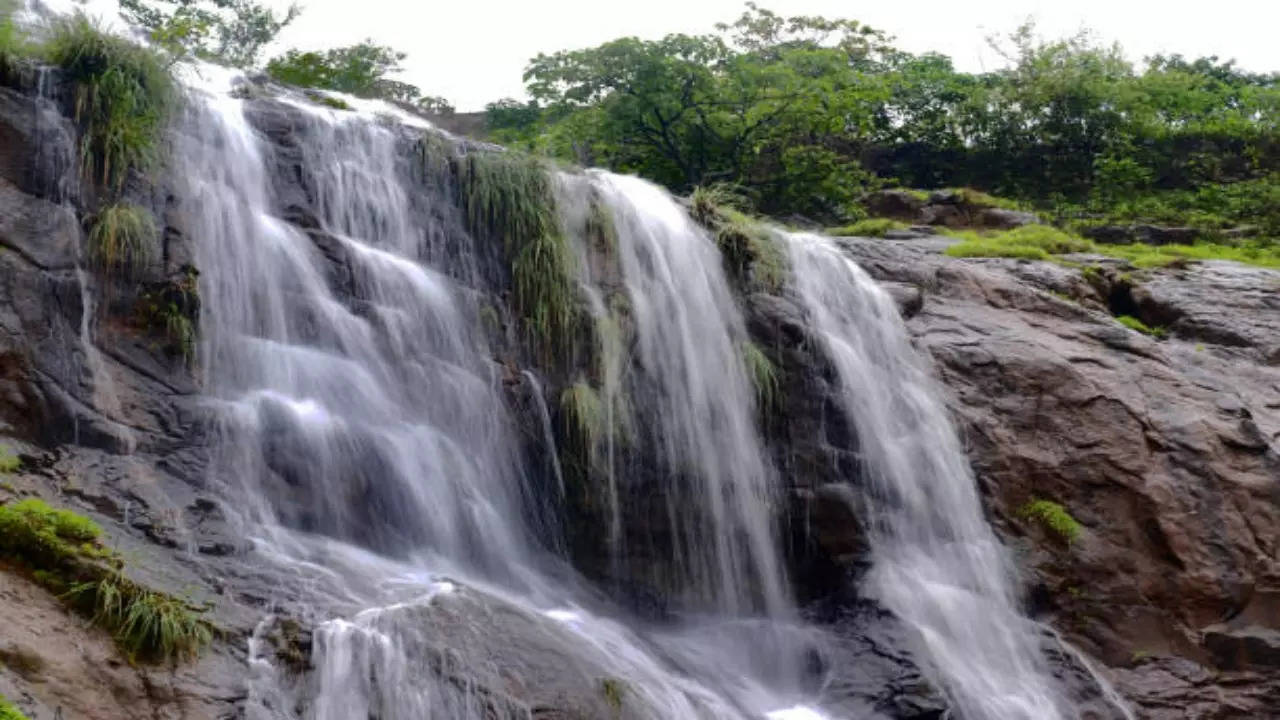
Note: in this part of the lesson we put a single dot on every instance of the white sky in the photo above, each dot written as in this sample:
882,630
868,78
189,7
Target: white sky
474,51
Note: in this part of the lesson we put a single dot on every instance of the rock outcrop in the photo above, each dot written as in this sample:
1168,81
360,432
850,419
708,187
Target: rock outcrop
1166,452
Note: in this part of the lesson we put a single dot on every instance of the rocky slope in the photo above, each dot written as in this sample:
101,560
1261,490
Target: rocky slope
1165,451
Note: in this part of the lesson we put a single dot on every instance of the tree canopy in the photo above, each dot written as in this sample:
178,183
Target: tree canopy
227,31
804,114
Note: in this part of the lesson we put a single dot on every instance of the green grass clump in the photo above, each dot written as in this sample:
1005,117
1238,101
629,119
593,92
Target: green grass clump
762,373
1031,242
63,552
9,712
509,197
124,94
120,237
979,199
329,101
9,461
1259,253
750,250
583,415
146,624
871,227
1134,323
1054,517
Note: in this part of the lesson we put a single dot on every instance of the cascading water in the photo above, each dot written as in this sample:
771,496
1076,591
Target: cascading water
359,405
937,565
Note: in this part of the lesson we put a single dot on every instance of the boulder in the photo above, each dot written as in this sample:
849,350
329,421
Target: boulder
897,203
1142,233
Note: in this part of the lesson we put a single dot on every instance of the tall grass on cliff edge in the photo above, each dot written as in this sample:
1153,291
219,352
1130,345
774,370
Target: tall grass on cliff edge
124,94
509,197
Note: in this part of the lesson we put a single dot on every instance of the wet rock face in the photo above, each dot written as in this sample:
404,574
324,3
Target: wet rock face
1166,452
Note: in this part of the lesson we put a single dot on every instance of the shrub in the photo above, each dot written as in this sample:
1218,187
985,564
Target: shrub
63,552
871,227
120,237
1054,517
1134,323
124,93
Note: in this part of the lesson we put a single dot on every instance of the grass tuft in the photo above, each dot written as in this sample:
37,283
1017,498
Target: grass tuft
870,227
750,251
614,691
120,237
763,375
63,552
509,197
583,415
124,94
1054,517
1134,323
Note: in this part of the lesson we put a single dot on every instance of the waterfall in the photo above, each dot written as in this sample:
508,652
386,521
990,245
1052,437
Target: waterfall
936,563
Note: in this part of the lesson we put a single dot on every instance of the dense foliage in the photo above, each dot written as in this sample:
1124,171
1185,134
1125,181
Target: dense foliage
232,32
360,70
805,114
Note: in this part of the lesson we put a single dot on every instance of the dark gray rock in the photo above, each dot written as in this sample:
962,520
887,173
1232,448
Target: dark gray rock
1141,233
897,203
1003,219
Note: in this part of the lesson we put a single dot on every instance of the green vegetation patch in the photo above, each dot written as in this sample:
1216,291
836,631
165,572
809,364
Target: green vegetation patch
614,691
763,375
120,237
1134,323
9,712
1054,517
124,94
9,461
751,252
63,552
871,227
1043,242
509,196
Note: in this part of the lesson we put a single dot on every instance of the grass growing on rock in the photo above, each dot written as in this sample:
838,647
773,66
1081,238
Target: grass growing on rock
762,373
509,196
1054,517
1134,323
120,237
750,250
9,712
63,552
870,227
124,94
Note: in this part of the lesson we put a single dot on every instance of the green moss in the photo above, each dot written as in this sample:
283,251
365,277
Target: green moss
1054,517
871,227
763,375
1258,253
9,461
509,197
9,712
120,237
63,553
124,94
985,247
1134,323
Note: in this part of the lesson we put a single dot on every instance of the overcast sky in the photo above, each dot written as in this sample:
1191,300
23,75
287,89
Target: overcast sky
473,51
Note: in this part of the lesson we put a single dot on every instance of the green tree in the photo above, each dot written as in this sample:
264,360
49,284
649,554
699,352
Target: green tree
227,31
360,70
